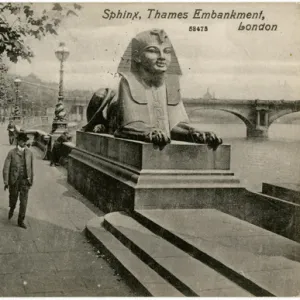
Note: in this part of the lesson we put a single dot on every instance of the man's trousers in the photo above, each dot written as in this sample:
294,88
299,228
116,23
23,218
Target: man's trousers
19,190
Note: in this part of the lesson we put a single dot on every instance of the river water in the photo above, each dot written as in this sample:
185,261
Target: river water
275,160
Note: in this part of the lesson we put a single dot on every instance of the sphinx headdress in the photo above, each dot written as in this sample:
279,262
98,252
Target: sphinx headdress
139,42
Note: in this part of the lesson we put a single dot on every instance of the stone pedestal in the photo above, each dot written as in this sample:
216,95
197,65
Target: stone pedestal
119,174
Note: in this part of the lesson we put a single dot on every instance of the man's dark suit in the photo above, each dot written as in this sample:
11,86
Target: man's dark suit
18,175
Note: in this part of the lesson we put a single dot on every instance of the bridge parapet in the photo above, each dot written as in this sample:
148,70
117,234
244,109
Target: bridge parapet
191,101
195,101
257,114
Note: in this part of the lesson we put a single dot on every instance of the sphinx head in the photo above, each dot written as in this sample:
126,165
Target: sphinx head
150,51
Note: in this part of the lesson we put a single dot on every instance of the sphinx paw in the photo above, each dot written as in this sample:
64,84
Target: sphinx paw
100,128
208,138
158,138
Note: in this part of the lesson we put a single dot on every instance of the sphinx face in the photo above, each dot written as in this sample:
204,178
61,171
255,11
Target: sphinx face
155,58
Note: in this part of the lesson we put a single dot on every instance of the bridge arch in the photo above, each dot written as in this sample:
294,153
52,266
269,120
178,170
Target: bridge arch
245,120
278,114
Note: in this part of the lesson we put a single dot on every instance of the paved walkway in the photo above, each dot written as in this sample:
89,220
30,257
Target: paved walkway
52,257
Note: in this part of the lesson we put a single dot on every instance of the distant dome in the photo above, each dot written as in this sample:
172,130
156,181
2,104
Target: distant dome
207,95
32,76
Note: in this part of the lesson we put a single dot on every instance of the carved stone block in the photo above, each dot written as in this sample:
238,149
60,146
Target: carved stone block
119,174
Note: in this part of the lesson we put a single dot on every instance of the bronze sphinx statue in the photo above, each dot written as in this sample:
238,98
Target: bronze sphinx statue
147,106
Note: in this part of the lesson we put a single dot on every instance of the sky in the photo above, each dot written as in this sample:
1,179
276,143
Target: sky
231,63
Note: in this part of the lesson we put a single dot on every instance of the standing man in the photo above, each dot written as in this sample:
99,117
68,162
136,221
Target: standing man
11,128
18,177
11,125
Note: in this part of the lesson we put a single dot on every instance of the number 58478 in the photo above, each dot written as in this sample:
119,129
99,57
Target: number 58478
198,28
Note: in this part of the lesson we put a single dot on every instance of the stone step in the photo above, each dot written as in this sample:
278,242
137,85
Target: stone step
268,263
190,276
287,191
137,273
271,213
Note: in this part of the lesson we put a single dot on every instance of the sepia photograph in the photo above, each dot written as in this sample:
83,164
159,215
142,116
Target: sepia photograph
150,149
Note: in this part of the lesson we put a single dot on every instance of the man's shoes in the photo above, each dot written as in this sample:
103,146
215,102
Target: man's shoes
10,214
22,225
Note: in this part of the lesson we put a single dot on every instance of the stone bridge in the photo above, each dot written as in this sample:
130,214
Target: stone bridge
257,115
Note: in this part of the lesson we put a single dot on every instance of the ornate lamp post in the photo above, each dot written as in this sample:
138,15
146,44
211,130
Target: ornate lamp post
60,122
21,108
16,113
32,112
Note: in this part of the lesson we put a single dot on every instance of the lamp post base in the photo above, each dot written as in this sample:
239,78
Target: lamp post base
58,127
17,120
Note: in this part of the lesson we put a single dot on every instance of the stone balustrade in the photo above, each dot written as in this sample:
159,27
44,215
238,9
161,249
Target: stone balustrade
42,140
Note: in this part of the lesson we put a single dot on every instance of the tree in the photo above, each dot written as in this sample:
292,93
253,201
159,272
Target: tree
21,20
6,88
3,83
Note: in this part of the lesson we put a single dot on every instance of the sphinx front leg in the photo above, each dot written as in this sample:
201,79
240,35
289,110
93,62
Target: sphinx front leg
187,133
100,102
140,131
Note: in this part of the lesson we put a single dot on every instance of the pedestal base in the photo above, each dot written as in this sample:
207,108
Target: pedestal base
59,127
118,174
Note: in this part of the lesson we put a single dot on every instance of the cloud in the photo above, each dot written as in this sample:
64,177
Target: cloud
236,63
229,67
241,86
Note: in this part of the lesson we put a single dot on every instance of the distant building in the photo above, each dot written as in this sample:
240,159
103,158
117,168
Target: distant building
208,95
76,106
50,112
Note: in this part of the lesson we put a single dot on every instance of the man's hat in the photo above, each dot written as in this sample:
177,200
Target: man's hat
22,136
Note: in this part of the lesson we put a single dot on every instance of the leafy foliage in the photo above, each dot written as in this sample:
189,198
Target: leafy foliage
21,20
36,95
6,87
18,22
